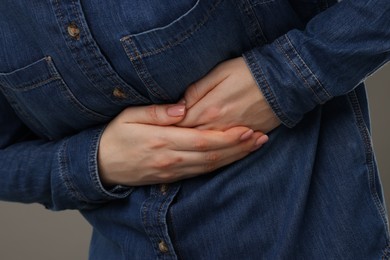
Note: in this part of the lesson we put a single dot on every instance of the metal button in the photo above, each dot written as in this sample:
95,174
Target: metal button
74,31
162,246
119,93
164,188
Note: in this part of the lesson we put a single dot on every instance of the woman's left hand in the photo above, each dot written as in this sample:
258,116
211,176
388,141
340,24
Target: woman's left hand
226,97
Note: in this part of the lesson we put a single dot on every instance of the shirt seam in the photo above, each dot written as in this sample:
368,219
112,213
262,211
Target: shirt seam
302,70
63,161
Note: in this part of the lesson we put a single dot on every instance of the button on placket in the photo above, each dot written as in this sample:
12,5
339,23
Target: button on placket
119,93
163,247
74,31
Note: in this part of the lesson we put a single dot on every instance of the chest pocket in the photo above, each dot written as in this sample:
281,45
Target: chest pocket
259,2
43,101
170,57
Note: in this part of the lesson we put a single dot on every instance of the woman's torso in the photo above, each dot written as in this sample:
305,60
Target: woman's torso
298,197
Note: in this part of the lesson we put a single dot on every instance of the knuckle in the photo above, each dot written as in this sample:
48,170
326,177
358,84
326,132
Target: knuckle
209,167
213,113
152,112
166,163
212,157
201,144
158,143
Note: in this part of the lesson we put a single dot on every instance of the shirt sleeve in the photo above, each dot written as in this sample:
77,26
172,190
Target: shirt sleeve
60,174
335,52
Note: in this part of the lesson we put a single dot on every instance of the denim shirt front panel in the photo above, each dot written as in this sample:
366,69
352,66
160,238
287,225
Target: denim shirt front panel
85,88
301,194
183,48
186,49
180,50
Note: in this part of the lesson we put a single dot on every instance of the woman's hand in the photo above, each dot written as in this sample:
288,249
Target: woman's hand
227,97
141,146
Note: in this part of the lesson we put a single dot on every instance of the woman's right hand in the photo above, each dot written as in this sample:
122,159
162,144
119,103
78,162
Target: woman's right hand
141,146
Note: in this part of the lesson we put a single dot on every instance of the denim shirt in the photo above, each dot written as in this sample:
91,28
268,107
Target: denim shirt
312,192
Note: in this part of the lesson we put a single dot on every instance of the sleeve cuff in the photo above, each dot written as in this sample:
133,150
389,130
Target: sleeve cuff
288,84
79,170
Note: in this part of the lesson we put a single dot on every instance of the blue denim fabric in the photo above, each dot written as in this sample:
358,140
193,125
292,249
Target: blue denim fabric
312,192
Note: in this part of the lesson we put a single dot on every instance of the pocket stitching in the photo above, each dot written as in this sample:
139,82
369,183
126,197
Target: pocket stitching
76,103
260,2
56,81
143,72
177,39
29,86
69,94
168,25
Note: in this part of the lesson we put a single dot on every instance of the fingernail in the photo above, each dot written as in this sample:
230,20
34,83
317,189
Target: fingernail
246,135
262,140
176,110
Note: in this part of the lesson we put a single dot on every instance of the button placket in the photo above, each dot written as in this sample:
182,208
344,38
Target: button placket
86,53
155,219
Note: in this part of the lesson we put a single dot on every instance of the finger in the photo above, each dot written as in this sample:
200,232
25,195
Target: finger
196,91
205,112
205,116
153,114
187,139
181,165
210,160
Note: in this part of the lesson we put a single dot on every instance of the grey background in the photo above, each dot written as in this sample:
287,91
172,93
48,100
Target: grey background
31,232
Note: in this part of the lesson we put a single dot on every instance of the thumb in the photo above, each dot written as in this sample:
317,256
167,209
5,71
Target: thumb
154,114
197,90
